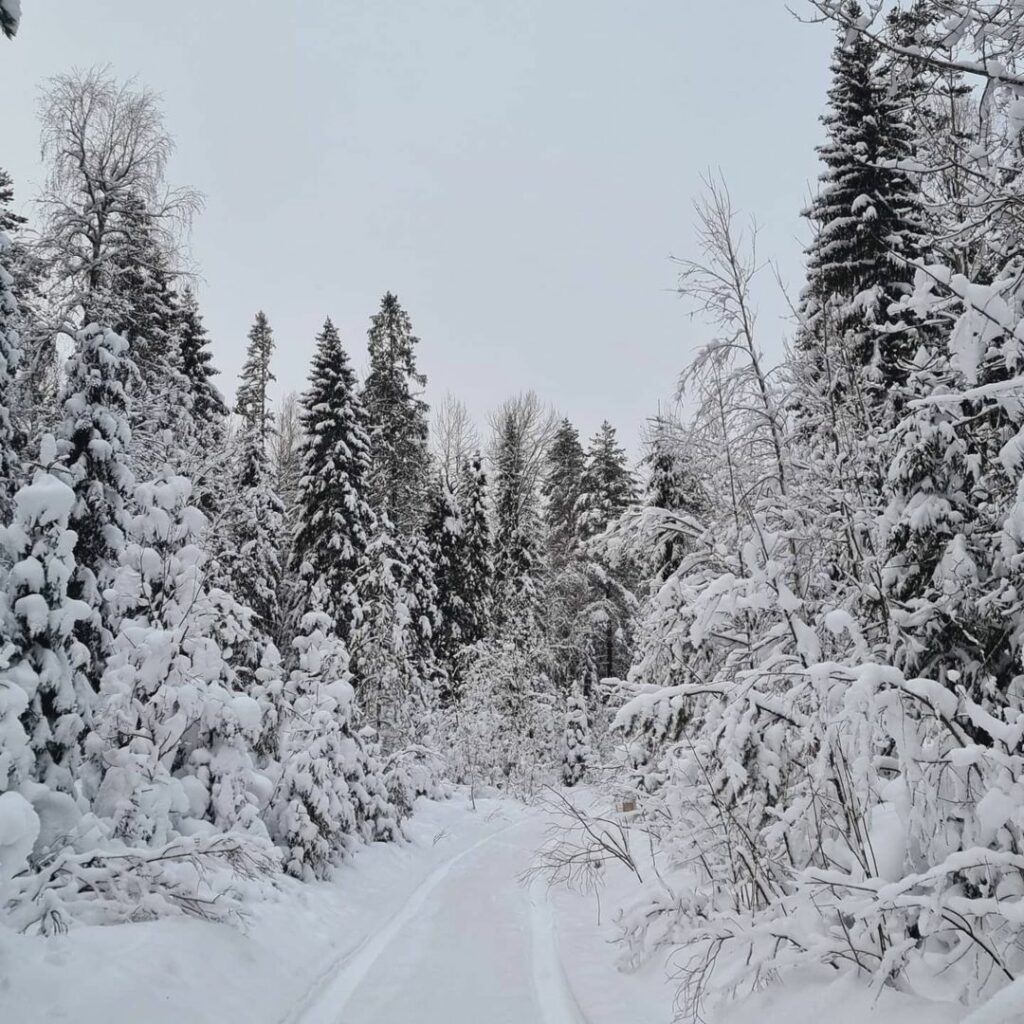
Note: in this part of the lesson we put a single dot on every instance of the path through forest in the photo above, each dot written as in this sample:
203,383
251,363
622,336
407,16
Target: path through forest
439,929
472,943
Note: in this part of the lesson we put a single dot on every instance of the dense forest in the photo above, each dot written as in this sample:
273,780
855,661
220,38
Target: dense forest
240,642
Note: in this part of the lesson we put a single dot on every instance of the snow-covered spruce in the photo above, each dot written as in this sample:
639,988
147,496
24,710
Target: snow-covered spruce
331,792
576,755
47,703
335,522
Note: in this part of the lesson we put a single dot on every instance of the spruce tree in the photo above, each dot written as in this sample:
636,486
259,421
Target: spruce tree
256,518
9,220
139,304
31,399
38,617
576,752
203,454
518,564
478,567
563,482
253,561
393,663
673,485
868,225
335,522
445,534
331,793
94,442
251,399
208,406
10,16
398,418
607,488
10,354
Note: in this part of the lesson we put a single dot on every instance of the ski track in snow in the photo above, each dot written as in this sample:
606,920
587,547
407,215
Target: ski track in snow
335,987
554,994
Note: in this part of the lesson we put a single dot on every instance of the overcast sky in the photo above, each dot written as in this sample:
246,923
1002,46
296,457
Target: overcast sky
518,173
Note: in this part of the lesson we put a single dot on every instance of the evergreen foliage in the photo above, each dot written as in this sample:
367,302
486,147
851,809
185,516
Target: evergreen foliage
10,222
576,755
335,522
674,487
561,488
10,16
394,667
868,227
607,488
42,661
94,446
253,562
331,793
517,536
252,401
10,355
207,403
397,415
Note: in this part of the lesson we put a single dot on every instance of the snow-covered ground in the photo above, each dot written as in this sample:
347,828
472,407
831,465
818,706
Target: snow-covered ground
441,929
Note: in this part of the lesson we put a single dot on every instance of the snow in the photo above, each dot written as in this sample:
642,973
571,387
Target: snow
995,809
1006,1007
19,827
439,930
45,500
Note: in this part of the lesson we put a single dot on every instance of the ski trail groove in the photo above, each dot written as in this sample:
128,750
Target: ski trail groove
337,985
555,996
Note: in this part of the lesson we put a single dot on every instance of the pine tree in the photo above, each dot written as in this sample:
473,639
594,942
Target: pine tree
42,658
868,224
94,442
563,482
251,400
607,488
335,522
398,418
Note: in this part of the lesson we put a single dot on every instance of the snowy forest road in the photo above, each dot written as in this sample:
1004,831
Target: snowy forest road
470,944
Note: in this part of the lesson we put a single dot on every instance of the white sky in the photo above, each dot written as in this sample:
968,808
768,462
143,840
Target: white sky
518,173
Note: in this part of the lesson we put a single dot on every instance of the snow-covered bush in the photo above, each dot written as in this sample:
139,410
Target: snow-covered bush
175,742
576,754
331,793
